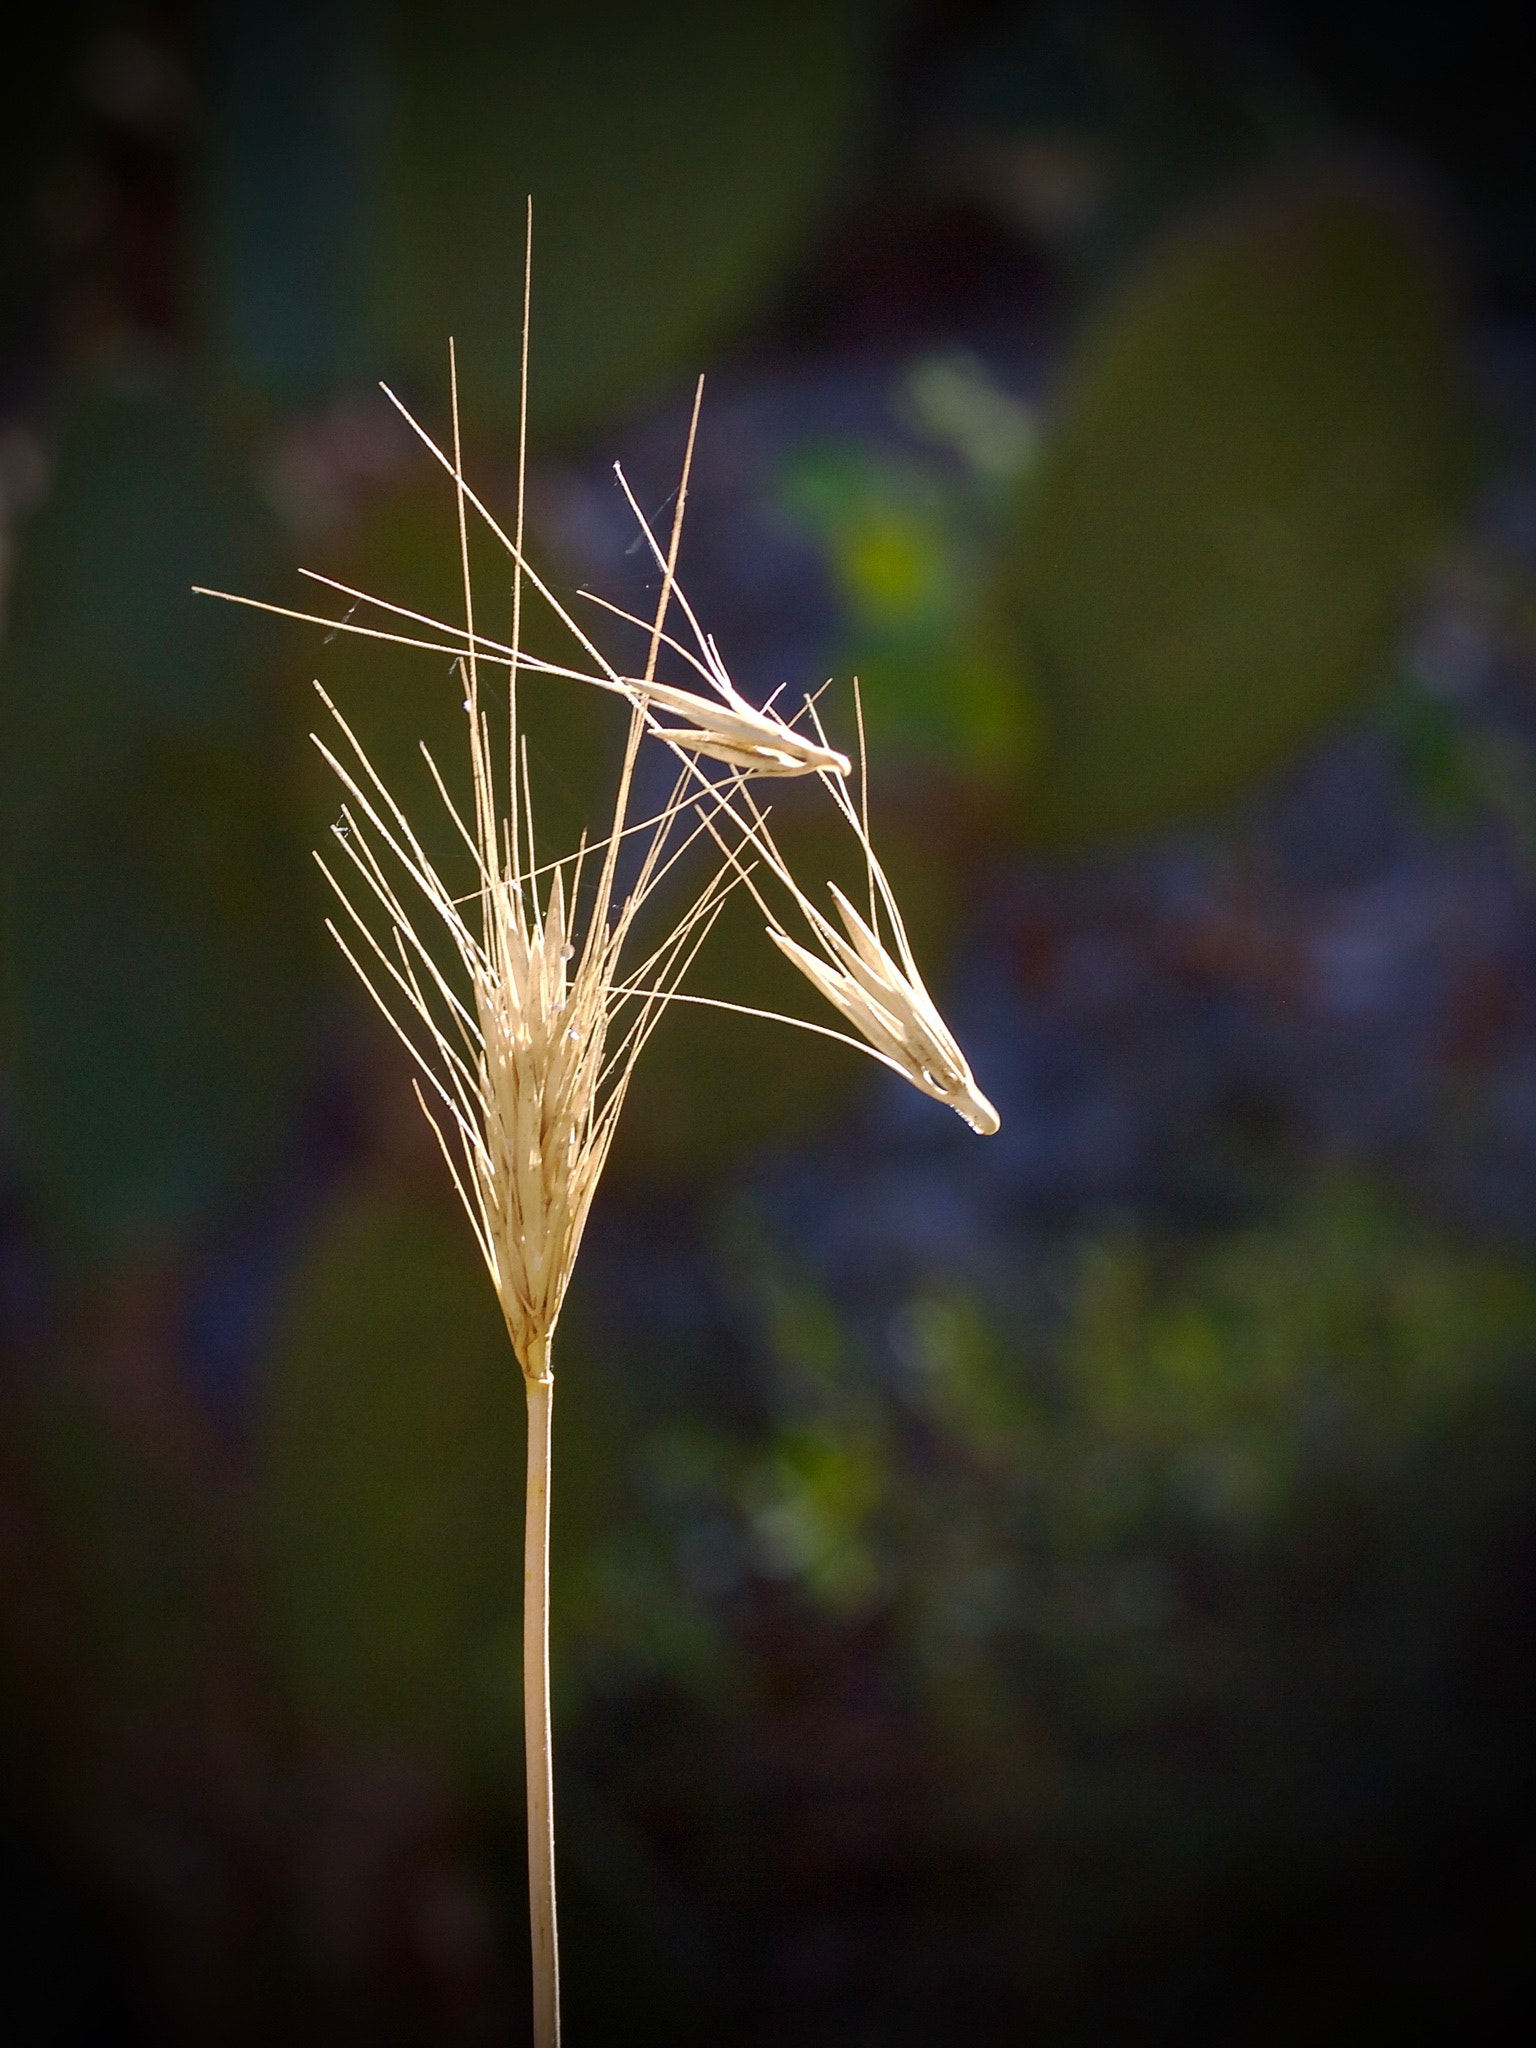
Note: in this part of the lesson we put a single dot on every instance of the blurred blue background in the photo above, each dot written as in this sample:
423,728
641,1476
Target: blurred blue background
1069,1587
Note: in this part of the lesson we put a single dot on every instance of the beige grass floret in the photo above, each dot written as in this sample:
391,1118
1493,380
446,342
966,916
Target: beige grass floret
883,997
873,985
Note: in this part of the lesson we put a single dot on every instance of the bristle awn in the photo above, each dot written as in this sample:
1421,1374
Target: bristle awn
519,531
730,730
869,863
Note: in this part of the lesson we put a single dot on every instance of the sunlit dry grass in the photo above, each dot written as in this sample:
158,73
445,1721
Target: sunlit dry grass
524,1055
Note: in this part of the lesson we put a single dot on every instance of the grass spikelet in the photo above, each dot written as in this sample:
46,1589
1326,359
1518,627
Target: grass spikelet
882,995
872,983
878,987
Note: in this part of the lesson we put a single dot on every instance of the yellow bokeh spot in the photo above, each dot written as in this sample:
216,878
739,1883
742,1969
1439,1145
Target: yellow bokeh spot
889,567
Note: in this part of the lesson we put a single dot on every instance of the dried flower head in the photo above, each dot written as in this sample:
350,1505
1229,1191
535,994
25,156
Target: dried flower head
529,1073
527,1057
882,995
529,1221
874,985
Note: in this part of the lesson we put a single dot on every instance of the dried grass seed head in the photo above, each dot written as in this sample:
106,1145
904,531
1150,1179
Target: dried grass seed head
873,985
885,1000
528,1075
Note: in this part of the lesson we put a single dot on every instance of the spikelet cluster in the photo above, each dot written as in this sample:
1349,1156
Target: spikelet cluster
883,997
543,1037
874,985
523,1073
524,1081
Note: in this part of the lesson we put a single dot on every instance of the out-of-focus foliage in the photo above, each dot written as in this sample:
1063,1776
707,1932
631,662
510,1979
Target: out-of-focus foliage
1459,756
623,1617
1260,438
391,1521
1179,1534
1289,1397
134,1564
152,975
910,547
1126,611
1247,1479
1163,1560
1090,127
676,161
290,257
37,116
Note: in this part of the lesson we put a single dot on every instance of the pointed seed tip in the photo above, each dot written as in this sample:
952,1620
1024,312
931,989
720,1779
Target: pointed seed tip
981,1116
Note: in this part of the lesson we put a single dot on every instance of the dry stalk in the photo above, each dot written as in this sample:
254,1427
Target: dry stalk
525,1069
524,1059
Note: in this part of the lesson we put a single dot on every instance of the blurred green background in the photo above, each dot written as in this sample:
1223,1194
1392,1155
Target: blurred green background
1072,1585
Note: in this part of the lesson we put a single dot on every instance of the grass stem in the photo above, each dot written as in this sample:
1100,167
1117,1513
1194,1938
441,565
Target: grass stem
537,1746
